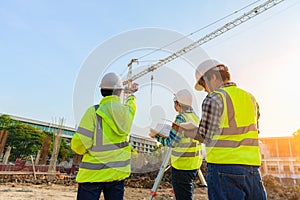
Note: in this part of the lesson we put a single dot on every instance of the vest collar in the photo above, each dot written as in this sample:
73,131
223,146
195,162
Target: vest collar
188,111
113,98
227,84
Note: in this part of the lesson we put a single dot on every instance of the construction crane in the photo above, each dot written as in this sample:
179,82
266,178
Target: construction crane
234,23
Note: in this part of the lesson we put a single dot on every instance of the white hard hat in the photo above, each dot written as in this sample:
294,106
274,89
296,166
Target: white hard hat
202,68
111,81
183,97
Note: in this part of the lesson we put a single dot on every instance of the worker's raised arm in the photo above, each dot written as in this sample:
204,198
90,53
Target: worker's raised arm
130,102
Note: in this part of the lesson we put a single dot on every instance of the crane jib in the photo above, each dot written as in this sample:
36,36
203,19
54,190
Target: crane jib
234,23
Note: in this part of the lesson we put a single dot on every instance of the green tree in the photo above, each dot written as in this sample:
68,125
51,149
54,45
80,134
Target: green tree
65,151
5,121
24,141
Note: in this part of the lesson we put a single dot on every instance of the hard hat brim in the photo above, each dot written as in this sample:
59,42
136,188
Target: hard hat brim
198,87
112,88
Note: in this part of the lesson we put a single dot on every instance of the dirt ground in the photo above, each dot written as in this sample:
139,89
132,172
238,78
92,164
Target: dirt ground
22,191
137,187
26,191
49,192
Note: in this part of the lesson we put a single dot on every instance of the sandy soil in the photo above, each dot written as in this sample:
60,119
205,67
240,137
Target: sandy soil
22,189
21,192
47,192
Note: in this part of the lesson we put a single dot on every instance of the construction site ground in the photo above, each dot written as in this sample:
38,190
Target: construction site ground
53,191
137,188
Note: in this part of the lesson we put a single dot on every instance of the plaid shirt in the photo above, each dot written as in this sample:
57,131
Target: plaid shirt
174,137
212,109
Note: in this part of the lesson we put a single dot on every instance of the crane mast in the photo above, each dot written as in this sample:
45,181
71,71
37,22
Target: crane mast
234,23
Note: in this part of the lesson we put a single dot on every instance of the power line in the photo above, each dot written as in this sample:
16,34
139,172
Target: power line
258,23
190,34
228,26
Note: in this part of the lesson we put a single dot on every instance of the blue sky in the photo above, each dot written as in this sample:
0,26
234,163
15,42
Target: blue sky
43,45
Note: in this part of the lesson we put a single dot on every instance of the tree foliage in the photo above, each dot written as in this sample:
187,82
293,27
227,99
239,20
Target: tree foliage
24,141
5,121
65,151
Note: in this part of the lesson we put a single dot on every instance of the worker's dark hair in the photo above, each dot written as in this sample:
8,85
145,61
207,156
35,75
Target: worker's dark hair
223,75
109,92
182,106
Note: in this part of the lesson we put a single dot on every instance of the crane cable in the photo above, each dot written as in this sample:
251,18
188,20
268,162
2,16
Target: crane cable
186,36
151,89
228,26
190,34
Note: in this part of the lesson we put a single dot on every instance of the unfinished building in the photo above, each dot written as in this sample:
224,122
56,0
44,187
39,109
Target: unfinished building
281,158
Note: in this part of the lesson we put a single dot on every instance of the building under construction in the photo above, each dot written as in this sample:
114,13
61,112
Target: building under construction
281,158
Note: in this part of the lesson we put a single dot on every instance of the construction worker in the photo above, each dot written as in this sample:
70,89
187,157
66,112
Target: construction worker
229,129
186,156
102,140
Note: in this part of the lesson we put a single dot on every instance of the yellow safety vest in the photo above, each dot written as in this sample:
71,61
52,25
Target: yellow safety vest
237,140
187,155
102,140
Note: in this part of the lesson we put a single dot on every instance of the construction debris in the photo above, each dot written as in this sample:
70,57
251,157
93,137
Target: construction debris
277,191
40,179
146,180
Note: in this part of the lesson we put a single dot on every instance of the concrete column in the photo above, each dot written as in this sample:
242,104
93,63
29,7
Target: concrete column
292,167
6,155
37,159
278,162
3,138
55,151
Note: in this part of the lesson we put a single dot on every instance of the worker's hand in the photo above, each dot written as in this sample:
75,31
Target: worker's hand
134,87
152,135
130,90
175,126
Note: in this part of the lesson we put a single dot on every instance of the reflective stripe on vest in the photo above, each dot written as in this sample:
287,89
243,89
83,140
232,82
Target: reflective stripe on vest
85,132
186,145
185,154
236,143
95,166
